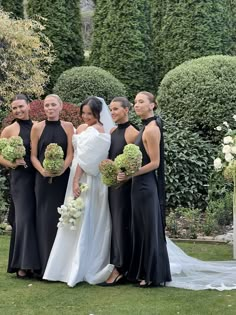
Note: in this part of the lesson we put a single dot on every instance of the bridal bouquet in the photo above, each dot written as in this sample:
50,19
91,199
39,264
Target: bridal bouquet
53,161
72,210
12,148
130,160
227,163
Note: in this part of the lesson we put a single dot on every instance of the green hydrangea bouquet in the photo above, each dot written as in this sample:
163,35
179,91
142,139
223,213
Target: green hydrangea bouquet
53,161
128,162
12,148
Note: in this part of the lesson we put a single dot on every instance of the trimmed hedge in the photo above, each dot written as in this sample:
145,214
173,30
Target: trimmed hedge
78,83
201,93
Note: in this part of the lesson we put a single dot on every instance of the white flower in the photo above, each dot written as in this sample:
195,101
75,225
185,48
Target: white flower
226,149
234,117
83,187
217,164
228,140
226,124
228,157
218,128
233,149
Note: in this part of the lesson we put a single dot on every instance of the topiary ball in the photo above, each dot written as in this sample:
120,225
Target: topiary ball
78,83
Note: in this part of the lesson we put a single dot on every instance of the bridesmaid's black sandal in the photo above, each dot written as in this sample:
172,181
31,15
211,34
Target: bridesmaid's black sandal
120,279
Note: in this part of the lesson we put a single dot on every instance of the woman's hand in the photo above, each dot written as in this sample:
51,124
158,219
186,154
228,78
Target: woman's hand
121,177
18,162
76,189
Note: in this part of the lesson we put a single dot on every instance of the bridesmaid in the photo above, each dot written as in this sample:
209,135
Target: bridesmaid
49,196
149,261
23,256
119,198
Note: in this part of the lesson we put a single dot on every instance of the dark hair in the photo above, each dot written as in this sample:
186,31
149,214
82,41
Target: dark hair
150,96
123,101
21,97
95,105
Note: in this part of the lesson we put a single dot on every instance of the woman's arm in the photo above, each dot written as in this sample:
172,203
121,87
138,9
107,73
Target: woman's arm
69,129
34,136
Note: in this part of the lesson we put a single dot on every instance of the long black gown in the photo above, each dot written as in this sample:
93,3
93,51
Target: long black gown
149,259
23,247
49,196
120,208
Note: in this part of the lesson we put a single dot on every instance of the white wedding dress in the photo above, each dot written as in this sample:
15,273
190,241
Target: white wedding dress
83,254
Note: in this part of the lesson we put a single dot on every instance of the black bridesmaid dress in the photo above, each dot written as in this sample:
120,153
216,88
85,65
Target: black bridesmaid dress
120,208
149,259
49,196
23,247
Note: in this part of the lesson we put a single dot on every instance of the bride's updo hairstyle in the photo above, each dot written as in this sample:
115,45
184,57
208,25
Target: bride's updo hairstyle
151,98
95,105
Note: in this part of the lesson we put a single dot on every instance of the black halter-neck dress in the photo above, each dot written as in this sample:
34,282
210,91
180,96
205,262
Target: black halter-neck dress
49,196
23,247
120,208
149,259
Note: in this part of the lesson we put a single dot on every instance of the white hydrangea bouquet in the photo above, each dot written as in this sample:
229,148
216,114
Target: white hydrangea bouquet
227,163
72,210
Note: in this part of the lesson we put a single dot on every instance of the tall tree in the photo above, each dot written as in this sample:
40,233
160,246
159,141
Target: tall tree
62,22
13,6
190,29
125,46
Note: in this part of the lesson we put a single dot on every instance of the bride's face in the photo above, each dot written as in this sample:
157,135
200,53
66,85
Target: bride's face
88,116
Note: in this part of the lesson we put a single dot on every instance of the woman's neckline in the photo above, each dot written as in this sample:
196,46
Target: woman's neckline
53,122
124,125
148,120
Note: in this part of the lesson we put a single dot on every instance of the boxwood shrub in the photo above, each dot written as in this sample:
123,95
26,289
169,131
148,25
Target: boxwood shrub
78,83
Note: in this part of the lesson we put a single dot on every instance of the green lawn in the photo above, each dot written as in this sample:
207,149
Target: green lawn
27,297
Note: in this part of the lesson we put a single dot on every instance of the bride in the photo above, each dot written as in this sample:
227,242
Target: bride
83,254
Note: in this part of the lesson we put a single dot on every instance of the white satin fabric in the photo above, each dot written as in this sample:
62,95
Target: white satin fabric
84,254
194,274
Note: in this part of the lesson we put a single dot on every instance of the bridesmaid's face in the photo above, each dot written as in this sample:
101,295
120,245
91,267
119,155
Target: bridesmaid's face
142,105
52,108
87,116
20,109
119,114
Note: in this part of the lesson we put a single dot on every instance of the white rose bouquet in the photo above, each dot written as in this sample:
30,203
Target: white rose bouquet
226,162
72,210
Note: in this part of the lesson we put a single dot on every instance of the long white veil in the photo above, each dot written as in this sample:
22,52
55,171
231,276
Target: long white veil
105,116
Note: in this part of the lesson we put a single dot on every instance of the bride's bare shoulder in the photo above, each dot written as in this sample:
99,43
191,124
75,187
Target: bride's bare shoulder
81,128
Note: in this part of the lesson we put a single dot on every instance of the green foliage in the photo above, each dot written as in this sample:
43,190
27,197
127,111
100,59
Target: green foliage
201,93
123,44
209,225
190,29
63,26
222,209
78,83
13,6
3,194
25,57
183,222
188,160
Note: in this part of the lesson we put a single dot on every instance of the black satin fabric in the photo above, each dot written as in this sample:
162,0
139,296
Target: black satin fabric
49,196
23,252
149,259
120,208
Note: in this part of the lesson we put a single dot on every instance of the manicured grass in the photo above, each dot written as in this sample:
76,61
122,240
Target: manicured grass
31,297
